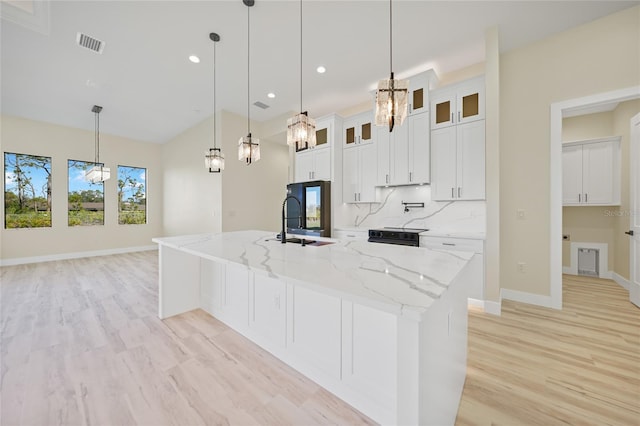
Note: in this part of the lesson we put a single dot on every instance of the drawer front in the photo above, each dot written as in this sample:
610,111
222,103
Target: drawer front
350,235
461,244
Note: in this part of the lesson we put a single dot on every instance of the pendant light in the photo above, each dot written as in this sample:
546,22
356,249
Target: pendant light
214,159
391,96
301,129
98,173
248,147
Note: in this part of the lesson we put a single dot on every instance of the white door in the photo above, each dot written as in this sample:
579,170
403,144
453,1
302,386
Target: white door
443,163
304,166
634,249
400,147
350,175
384,155
321,164
470,176
571,174
598,173
368,173
419,163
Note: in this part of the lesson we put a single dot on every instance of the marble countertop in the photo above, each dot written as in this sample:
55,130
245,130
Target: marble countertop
398,279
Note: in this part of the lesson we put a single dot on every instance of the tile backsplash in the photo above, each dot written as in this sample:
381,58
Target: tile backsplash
459,216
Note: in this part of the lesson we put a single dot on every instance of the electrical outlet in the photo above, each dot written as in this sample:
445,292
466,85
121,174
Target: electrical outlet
522,267
566,237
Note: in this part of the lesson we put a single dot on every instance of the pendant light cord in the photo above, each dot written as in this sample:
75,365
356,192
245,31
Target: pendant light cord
214,94
300,56
97,129
390,36
248,78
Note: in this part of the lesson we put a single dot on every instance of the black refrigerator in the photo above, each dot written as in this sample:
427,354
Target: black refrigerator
315,216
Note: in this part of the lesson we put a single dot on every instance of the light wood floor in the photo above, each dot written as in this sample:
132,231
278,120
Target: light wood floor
81,345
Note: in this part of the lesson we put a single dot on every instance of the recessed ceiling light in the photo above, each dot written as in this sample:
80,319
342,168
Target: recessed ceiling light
321,69
271,95
194,59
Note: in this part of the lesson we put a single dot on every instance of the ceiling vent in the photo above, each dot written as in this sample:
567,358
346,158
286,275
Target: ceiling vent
261,105
90,43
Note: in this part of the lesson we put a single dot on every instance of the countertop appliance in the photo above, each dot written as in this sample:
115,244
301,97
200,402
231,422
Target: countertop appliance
401,236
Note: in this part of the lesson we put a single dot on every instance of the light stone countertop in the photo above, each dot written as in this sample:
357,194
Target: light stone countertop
398,279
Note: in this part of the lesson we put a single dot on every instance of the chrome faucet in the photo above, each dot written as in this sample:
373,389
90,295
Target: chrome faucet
283,234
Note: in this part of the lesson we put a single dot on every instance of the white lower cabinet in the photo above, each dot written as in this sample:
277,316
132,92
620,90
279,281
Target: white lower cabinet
268,309
235,296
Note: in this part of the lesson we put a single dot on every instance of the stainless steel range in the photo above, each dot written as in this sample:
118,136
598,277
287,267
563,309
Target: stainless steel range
401,236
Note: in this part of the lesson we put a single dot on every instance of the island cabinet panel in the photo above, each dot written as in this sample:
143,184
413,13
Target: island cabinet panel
314,329
268,311
369,356
177,266
235,297
211,285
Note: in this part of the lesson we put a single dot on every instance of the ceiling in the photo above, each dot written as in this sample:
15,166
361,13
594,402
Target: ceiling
150,91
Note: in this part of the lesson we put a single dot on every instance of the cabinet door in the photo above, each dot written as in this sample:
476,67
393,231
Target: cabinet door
268,314
443,163
368,173
419,162
598,173
323,133
400,155
350,131
443,107
470,102
384,156
304,166
235,306
470,176
350,174
321,164
418,94
571,174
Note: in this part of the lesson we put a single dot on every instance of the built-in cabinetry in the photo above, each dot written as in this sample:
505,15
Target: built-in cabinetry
476,266
358,129
359,174
320,162
591,172
458,142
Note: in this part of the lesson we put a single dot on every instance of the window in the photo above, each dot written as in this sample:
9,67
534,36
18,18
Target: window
86,199
132,195
27,191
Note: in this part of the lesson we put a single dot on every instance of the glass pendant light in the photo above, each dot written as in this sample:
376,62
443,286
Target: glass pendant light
391,96
98,173
248,147
214,159
301,129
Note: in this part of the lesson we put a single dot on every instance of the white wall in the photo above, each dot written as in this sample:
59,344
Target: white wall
61,144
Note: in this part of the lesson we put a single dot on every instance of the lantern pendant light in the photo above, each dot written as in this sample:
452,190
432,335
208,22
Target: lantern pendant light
98,173
391,96
301,129
214,159
248,147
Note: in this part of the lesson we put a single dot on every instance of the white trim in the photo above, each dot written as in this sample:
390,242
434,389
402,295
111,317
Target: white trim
530,298
77,255
494,308
622,281
567,270
555,181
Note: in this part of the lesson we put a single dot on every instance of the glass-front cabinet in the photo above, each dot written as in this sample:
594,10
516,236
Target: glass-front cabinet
418,101
358,129
458,104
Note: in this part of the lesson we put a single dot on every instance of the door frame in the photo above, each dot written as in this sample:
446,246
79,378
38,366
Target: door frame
634,174
557,111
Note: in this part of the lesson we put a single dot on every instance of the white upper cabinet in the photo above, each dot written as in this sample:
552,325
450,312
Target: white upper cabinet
458,162
318,163
418,100
591,172
458,104
358,129
359,174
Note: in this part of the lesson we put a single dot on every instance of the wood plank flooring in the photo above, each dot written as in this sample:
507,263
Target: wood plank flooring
538,366
81,344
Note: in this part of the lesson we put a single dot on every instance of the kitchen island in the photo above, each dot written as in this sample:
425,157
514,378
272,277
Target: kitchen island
383,327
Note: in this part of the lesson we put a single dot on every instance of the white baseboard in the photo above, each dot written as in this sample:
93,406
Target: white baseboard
568,270
77,255
572,271
486,305
530,298
623,282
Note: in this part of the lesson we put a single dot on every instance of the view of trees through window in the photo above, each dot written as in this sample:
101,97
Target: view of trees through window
86,199
132,195
27,191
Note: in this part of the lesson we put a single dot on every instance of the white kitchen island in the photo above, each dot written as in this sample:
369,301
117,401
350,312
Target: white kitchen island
383,327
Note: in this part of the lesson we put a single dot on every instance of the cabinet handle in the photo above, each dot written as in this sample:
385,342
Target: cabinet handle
452,117
458,116
355,196
448,244
579,198
452,194
410,177
459,191
586,198
386,179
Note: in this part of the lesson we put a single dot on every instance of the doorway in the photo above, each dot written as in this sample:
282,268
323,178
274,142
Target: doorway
558,111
